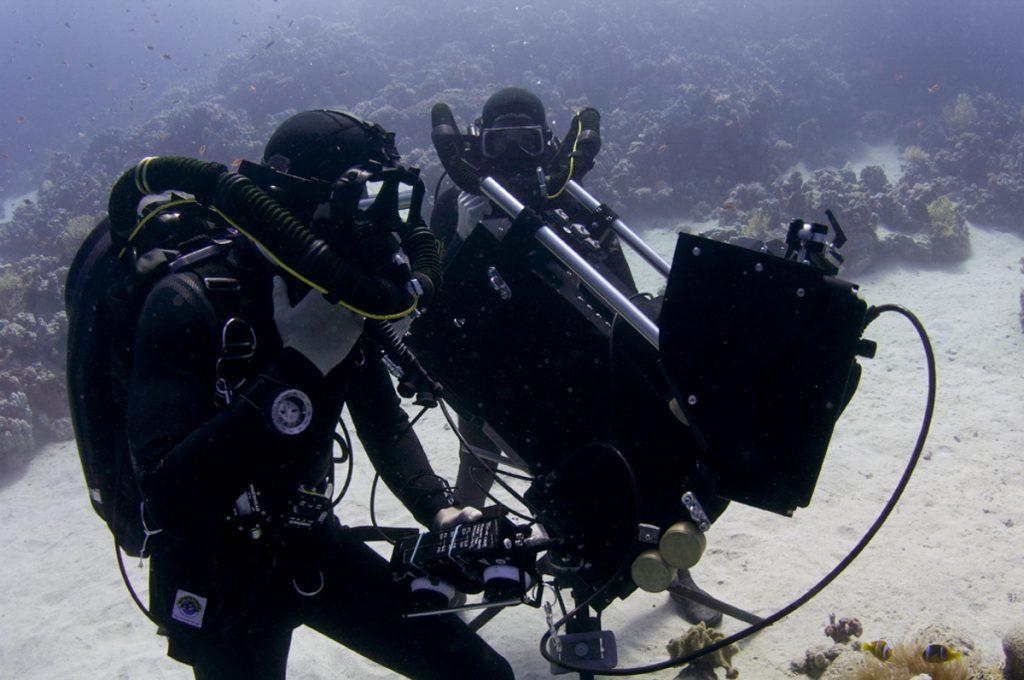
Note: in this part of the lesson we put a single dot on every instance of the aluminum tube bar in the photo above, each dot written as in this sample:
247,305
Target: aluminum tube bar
625,233
571,259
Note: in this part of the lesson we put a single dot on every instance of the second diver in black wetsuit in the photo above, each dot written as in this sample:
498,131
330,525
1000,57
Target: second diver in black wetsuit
515,140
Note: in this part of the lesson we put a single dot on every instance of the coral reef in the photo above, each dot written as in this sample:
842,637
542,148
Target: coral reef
1013,647
844,629
882,224
699,637
817,659
36,247
974,155
705,116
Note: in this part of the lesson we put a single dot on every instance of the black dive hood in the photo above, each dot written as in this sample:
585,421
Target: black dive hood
247,201
464,161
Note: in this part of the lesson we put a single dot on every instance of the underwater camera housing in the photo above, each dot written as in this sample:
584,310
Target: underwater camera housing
640,418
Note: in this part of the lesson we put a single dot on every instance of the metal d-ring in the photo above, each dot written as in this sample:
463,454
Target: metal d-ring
312,593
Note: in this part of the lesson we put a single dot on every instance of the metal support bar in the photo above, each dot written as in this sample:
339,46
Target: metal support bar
483,618
714,603
625,233
571,259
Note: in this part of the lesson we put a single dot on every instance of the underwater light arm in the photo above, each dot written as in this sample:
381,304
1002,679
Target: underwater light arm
603,288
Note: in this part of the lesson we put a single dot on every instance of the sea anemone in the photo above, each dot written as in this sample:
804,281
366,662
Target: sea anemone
905,663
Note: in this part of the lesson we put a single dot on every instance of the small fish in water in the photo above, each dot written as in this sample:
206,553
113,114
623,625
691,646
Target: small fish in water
27,201
939,654
4,156
165,56
920,124
269,45
897,76
663,148
202,150
143,85
67,25
149,47
880,649
64,62
933,89
729,206
252,88
19,120
91,65
81,135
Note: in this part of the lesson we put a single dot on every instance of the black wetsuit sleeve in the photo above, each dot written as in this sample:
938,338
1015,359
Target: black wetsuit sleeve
192,458
393,447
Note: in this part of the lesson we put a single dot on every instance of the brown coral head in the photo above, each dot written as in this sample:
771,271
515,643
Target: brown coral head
845,629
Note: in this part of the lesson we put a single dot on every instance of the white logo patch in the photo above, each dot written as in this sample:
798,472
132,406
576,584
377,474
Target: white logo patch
189,608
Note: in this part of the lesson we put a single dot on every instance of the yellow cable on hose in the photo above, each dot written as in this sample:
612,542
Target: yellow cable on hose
147,218
572,158
274,258
320,289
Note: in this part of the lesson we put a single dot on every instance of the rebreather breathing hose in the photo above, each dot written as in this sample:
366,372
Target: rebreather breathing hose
873,313
291,245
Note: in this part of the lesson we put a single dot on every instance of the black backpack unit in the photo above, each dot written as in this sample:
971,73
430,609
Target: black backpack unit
105,289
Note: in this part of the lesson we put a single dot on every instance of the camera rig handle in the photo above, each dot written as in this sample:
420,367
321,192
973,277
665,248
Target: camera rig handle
629,236
593,279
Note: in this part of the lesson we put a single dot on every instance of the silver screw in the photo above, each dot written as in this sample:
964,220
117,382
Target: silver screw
800,292
758,267
692,399
696,251
581,649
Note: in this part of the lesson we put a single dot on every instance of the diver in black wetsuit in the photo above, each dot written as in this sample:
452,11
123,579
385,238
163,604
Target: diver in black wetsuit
516,141
248,547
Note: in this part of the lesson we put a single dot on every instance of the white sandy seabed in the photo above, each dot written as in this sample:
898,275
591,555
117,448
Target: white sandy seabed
950,553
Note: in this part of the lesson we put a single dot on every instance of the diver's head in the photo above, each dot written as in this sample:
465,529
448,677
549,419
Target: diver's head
514,135
317,165
323,145
320,144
